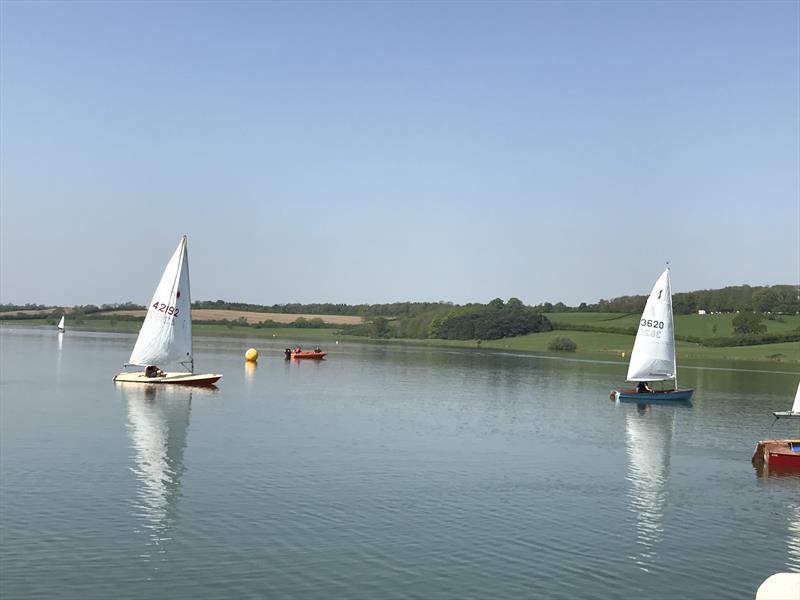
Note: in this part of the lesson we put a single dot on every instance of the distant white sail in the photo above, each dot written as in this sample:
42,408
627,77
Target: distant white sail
166,334
796,405
61,323
653,354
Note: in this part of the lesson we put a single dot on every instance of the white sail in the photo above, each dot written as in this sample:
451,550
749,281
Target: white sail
61,323
653,354
166,334
796,405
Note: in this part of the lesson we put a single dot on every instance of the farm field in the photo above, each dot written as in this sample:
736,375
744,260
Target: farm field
703,326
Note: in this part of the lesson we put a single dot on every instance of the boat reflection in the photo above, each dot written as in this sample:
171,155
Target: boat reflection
648,438
792,512
158,423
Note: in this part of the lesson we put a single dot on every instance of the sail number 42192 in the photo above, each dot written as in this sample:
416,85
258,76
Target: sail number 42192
170,310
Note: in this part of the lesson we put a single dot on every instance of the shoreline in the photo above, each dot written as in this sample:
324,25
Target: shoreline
611,347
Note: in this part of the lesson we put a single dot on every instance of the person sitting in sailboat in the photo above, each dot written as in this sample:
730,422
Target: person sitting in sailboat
153,371
643,388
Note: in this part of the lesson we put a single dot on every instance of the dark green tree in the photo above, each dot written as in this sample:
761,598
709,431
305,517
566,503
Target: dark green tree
748,322
562,344
379,328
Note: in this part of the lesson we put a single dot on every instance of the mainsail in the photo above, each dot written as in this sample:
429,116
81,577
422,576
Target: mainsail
653,354
796,405
166,334
61,323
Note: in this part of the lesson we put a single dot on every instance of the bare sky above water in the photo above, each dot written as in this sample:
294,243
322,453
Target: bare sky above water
375,152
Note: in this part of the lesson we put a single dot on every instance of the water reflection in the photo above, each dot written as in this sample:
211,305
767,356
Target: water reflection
793,538
58,355
249,372
648,438
158,423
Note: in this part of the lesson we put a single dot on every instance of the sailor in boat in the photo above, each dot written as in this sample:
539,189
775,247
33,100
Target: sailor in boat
643,388
152,371
288,353
317,349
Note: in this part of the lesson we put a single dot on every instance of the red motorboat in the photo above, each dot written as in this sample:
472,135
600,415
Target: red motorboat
317,353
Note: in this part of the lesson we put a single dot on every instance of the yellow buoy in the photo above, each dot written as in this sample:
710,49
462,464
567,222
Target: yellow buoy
622,354
251,355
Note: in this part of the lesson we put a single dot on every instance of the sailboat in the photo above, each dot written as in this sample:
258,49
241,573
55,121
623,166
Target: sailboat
61,325
780,454
795,412
166,334
653,354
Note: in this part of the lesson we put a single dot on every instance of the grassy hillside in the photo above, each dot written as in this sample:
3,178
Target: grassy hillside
612,346
703,326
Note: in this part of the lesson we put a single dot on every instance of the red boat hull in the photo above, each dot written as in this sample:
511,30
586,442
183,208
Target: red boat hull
778,459
313,355
784,454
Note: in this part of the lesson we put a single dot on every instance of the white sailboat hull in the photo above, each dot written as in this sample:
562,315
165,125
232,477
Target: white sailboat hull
175,378
794,412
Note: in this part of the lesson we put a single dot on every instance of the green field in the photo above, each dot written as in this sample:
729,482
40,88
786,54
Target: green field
702,326
612,345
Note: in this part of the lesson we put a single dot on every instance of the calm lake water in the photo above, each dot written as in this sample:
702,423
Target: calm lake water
383,472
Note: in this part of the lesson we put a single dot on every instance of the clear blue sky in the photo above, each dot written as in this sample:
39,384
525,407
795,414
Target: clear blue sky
378,151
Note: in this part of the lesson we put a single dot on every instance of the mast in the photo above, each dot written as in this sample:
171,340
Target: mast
674,359
185,239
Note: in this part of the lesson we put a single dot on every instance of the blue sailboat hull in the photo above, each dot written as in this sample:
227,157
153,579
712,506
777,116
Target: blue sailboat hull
631,395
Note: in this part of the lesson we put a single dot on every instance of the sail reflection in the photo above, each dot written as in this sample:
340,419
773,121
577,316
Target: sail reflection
58,355
158,422
648,438
793,538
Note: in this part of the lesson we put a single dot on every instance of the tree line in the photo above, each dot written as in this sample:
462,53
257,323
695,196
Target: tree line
392,309
767,299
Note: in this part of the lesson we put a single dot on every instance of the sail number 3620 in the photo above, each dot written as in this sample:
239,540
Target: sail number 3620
164,308
651,323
